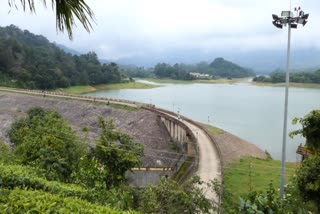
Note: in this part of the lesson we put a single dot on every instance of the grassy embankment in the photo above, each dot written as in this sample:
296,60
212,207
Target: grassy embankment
251,174
87,89
292,84
213,81
212,129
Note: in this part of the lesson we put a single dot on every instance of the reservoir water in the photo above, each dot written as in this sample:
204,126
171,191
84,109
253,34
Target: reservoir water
254,113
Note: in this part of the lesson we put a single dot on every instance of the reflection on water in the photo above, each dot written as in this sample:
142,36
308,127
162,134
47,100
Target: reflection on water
253,113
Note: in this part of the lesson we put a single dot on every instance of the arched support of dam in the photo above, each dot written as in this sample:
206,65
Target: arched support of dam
180,134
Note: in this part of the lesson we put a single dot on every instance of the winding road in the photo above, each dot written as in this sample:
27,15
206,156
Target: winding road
209,167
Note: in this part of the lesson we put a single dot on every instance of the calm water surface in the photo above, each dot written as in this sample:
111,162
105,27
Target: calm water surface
253,113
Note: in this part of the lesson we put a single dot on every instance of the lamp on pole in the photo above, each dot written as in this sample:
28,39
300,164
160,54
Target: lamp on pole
287,18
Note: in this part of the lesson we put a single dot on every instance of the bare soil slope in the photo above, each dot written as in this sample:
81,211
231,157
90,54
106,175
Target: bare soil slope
143,125
233,148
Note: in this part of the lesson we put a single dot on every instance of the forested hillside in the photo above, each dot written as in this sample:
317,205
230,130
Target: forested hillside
301,77
224,68
217,69
31,61
163,70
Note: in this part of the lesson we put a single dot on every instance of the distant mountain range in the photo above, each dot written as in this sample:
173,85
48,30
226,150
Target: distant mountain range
261,61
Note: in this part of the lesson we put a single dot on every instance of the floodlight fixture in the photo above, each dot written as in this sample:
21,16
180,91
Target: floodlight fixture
277,24
275,17
295,26
301,13
305,16
284,21
302,21
286,14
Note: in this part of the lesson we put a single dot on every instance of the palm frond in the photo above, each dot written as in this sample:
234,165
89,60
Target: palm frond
66,12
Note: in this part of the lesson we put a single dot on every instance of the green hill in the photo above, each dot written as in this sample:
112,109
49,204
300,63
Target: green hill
224,68
31,61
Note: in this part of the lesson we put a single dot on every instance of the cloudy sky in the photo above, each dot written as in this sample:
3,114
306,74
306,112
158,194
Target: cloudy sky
141,28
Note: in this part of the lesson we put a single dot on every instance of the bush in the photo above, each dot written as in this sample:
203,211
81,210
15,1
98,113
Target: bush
269,202
13,176
308,179
24,201
4,153
45,140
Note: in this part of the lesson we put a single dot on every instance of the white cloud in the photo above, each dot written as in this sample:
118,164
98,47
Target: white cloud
128,28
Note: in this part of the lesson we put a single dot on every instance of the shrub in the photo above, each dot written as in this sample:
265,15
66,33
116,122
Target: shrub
45,140
24,201
13,176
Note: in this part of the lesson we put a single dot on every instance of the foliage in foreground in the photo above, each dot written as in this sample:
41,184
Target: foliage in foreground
308,176
106,164
310,130
170,197
308,179
45,140
23,201
66,12
269,202
18,176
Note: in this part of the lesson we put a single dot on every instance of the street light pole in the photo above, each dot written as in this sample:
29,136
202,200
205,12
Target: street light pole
285,123
287,18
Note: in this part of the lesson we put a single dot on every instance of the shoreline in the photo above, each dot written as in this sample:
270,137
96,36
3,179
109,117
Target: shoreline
82,89
230,81
291,84
211,81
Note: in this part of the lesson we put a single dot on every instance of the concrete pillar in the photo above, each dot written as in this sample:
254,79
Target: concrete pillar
183,133
175,132
190,149
179,134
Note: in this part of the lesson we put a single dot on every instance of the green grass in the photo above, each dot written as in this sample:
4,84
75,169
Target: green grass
77,89
213,130
182,169
292,84
237,179
130,85
123,107
213,81
87,88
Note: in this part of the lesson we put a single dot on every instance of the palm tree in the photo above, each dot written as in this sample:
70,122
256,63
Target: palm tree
66,12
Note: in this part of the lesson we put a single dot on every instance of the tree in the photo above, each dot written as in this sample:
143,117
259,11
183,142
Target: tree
308,180
116,153
45,140
31,61
66,13
310,130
